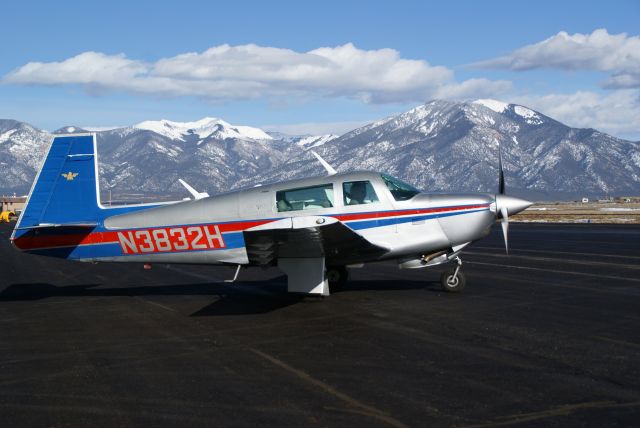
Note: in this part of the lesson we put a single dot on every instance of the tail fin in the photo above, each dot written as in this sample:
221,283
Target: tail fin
65,191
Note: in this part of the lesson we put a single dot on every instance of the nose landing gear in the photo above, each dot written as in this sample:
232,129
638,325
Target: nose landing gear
453,280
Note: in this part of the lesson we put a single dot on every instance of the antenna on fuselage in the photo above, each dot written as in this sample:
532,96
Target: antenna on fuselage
196,195
325,164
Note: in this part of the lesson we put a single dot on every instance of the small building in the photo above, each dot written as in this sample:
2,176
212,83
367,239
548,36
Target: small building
13,203
627,199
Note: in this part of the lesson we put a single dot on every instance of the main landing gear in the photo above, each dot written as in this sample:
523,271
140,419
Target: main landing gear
453,280
337,276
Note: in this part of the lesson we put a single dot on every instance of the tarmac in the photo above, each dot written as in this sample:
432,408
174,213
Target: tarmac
548,335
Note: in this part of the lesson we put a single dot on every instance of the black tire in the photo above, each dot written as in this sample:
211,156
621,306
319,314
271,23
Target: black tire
337,276
447,283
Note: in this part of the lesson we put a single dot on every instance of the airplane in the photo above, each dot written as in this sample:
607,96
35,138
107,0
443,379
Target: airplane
313,229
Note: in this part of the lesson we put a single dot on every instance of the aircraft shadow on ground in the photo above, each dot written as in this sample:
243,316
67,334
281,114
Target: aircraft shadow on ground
391,284
242,298
249,297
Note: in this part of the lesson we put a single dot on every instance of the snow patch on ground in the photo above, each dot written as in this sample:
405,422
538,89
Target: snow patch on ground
315,141
524,112
5,136
169,151
426,130
253,133
495,105
531,116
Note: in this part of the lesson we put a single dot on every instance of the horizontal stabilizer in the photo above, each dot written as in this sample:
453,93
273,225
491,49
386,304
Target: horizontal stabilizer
59,225
330,170
196,195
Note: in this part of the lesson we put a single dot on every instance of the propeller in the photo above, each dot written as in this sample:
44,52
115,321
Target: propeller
506,205
504,212
501,173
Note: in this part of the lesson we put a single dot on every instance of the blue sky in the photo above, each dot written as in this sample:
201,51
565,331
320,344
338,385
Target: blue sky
381,58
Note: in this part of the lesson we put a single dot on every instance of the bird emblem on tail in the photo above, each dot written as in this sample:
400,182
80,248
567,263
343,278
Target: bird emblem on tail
70,175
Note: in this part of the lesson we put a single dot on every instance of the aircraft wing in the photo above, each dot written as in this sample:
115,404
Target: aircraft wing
309,236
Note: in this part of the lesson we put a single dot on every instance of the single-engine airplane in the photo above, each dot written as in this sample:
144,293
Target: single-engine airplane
312,229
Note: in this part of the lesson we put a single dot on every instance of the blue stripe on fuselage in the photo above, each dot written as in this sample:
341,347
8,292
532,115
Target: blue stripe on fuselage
378,222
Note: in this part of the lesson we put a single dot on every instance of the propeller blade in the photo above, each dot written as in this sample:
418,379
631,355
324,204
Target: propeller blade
505,227
501,172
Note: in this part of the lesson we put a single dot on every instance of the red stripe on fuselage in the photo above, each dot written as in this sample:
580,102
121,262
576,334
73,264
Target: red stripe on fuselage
33,240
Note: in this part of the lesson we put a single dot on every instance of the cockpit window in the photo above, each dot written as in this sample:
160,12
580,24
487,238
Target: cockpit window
400,190
358,193
305,198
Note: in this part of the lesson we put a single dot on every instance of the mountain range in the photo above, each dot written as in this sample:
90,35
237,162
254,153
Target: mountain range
437,146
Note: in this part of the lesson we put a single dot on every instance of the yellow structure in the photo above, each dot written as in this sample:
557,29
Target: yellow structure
7,216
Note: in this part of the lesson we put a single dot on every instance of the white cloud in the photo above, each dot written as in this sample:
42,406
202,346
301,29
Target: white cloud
249,71
616,113
473,88
89,68
618,54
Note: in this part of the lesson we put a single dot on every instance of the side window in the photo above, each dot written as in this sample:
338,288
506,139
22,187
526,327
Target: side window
305,198
358,193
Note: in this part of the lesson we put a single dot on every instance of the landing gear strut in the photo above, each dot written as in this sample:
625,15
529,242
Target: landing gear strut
453,280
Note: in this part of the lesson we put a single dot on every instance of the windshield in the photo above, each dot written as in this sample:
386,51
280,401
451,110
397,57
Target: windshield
400,190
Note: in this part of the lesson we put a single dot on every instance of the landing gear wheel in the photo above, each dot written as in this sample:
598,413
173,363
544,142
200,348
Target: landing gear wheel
337,276
451,282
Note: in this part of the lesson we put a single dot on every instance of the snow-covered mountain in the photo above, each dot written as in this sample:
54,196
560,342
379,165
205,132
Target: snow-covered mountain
208,127
22,149
450,146
438,146
134,159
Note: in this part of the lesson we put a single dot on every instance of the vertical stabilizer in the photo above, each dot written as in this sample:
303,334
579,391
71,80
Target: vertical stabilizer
66,189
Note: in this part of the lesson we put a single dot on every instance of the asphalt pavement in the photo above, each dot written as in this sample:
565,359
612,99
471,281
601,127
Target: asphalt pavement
548,335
